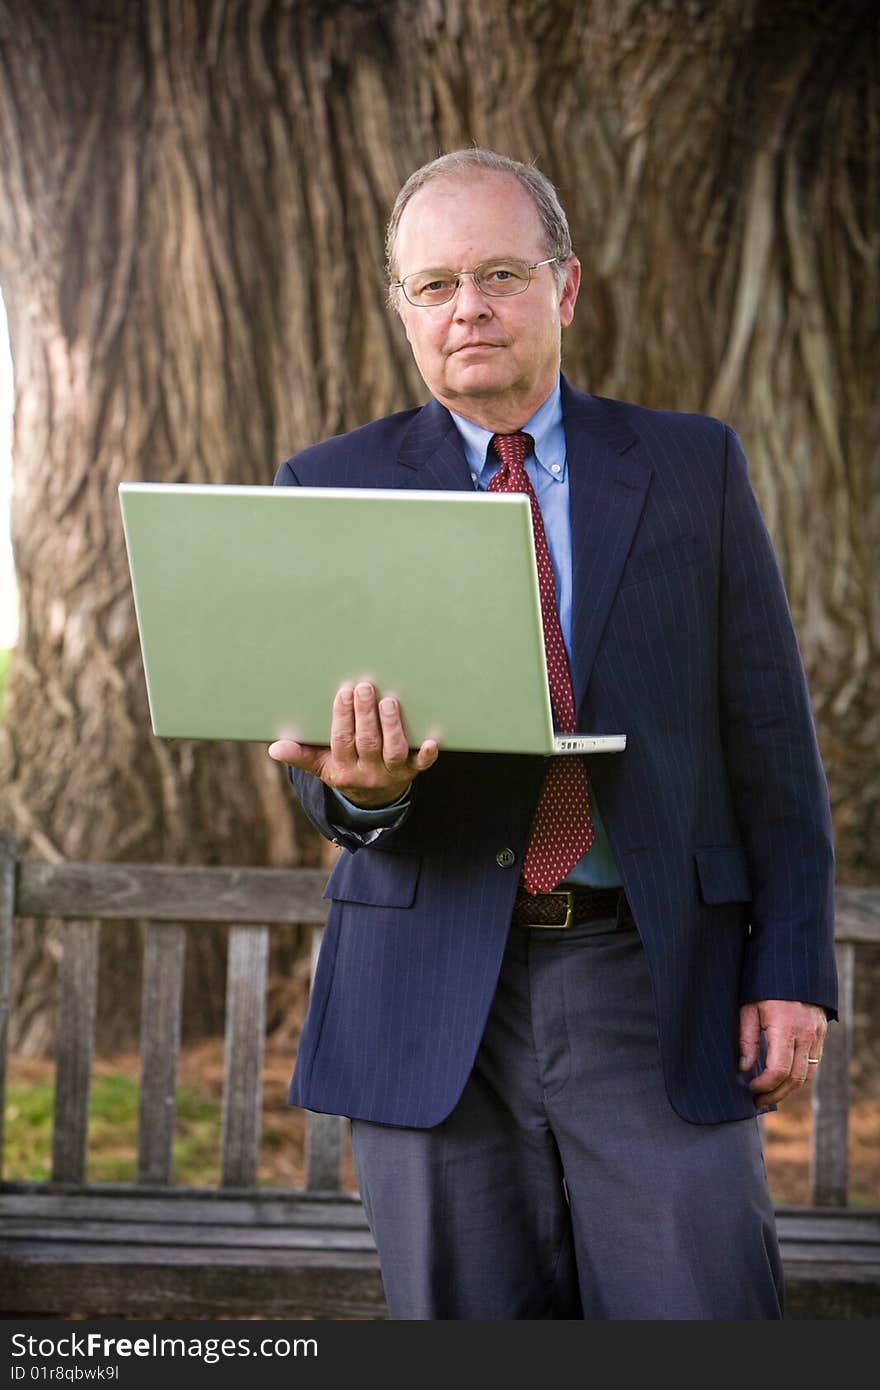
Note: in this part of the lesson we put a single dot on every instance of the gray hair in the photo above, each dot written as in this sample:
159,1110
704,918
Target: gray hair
462,162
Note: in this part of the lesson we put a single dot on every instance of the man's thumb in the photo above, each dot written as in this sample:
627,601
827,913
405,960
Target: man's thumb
749,1036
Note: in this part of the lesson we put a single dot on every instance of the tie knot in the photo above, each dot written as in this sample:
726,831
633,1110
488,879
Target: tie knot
512,449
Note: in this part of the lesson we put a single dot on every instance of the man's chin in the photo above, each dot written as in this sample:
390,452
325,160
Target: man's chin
475,379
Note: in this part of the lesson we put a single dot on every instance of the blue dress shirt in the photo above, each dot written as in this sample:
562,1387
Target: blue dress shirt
548,474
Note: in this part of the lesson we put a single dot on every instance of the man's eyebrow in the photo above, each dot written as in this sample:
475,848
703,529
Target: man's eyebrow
486,260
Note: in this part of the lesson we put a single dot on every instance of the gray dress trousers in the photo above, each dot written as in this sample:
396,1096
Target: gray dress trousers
563,1184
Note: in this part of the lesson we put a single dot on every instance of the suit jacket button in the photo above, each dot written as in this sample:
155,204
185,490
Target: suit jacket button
505,857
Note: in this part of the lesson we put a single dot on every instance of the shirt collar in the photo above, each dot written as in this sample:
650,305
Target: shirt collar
545,427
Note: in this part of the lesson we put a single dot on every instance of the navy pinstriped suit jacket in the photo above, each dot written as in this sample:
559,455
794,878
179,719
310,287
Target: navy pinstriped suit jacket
717,811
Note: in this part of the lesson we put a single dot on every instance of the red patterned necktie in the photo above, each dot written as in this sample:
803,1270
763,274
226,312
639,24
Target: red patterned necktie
562,830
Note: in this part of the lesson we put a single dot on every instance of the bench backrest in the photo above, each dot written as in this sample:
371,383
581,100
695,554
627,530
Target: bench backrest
246,901
249,902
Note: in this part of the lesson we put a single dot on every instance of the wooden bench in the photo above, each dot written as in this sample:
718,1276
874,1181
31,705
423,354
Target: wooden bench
150,1249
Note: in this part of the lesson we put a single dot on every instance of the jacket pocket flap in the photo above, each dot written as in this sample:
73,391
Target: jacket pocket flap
723,874
668,558
374,878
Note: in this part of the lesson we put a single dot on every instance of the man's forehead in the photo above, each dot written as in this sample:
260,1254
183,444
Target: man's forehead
453,205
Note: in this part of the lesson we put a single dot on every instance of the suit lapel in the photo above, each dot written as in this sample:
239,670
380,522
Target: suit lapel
608,482
432,453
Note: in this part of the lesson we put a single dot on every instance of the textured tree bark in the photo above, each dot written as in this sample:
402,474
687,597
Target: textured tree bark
192,201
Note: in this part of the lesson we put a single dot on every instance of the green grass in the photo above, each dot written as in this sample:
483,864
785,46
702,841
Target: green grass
113,1120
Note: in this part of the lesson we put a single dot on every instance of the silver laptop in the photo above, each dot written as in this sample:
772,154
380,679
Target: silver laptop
254,604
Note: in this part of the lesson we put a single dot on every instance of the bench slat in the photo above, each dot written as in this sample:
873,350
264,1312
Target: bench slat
325,1145
275,1284
830,1226
111,1252
194,893
829,1152
7,934
78,994
270,1211
163,893
133,1234
325,1134
857,915
206,1206
246,975
800,1232
164,957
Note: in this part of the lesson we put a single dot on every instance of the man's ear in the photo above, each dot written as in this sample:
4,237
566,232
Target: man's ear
568,297
396,300
401,306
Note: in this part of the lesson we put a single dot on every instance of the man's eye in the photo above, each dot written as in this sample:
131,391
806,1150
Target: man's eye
439,284
500,274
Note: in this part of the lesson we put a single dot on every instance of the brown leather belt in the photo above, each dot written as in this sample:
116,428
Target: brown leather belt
568,907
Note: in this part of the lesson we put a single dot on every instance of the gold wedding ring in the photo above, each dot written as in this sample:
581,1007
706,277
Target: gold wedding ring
813,1061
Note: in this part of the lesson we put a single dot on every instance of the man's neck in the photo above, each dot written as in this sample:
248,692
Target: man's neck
498,416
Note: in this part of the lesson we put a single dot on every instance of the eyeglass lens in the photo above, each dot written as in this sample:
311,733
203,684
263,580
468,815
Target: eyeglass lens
438,286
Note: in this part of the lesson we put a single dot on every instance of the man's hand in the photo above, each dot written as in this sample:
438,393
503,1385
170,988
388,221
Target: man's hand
368,760
794,1032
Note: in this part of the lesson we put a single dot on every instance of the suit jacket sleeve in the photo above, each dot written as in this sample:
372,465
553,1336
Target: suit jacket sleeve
324,812
779,787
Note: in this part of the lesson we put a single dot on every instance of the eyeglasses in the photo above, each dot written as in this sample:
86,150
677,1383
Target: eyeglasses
500,279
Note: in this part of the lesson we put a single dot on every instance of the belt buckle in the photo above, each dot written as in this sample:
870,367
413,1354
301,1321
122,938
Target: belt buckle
558,926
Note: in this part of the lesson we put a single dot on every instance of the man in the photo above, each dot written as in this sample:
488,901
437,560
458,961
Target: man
556,1120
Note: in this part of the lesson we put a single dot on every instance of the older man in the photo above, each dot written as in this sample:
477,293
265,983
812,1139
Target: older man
553,994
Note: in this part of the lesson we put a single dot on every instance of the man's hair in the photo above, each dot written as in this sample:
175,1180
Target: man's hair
462,162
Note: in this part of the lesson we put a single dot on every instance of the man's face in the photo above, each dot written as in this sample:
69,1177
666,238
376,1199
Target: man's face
491,359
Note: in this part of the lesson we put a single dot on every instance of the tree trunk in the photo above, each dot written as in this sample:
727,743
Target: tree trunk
191,221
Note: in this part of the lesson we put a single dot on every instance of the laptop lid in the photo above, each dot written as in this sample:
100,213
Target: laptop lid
254,604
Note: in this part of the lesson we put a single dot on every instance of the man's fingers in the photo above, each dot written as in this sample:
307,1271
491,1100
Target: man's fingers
771,1087
368,759
395,746
302,755
817,1042
778,1093
779,1060
342,726
798,1074
367,728
786,1068
749,1036
426,756
794,1032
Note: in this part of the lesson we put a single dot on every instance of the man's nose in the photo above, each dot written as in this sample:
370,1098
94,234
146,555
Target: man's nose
470,301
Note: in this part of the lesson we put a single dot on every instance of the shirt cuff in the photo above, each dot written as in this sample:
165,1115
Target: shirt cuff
359,818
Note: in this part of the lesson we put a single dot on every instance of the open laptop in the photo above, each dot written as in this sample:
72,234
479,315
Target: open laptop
254,604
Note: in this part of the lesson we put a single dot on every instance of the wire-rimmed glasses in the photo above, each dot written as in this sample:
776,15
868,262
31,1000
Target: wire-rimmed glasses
500,278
